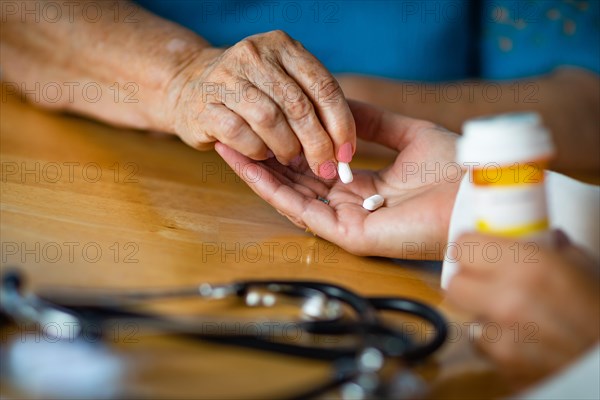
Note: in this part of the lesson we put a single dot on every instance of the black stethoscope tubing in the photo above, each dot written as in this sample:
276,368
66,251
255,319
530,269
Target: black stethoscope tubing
367,323
366,326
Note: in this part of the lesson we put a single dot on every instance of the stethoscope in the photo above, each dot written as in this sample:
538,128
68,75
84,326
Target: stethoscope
325,310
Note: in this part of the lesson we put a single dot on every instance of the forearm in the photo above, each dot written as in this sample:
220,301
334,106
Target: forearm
114,62
568,101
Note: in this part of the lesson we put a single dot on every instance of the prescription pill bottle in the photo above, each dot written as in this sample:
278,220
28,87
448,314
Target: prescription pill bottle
505,157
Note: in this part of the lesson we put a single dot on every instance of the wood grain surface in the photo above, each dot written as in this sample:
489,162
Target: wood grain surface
88,205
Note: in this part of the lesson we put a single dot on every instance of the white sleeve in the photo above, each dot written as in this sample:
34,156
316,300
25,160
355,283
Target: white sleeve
578,381
573,206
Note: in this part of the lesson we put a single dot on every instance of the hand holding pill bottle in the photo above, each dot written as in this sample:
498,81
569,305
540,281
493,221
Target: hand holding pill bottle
506,156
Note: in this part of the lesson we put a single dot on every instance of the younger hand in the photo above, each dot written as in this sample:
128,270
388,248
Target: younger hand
413,223
544,300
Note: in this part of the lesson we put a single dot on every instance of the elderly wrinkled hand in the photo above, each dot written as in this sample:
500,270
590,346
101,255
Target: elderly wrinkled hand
265,96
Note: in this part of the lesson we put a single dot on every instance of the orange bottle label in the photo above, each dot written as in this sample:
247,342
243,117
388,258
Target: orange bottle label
510,199
510,175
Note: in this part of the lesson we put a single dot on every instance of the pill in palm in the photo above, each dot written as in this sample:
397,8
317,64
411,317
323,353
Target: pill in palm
373,203
345,172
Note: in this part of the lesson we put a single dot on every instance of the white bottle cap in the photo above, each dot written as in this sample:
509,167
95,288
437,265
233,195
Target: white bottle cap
504,139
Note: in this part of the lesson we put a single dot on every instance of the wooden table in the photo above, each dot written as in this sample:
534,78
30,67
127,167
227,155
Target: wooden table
88,205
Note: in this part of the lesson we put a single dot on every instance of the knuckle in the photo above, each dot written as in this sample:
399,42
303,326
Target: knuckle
330,91
194,135
247,50
320,147
299,109
231,128
265,115
280,35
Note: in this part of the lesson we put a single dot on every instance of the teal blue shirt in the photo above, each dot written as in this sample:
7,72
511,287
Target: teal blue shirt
429,40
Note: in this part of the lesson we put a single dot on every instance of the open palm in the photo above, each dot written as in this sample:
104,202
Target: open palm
419,189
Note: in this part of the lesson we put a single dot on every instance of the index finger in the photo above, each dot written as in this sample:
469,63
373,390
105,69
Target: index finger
275,192
327,96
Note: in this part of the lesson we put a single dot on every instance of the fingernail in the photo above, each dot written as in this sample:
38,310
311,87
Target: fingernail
345,153
327,170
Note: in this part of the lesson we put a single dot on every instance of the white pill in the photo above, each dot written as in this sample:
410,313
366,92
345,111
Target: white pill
345,172
373,203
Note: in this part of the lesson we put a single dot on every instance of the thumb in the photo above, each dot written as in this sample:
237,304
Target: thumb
377,125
